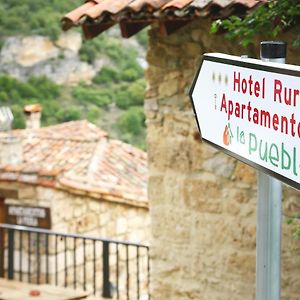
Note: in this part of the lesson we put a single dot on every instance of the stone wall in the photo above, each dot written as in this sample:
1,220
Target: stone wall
202,202
95,217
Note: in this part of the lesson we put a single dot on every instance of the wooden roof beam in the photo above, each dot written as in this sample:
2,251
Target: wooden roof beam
129,29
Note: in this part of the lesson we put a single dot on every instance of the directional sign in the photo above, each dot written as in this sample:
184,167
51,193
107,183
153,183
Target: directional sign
32,216
251,110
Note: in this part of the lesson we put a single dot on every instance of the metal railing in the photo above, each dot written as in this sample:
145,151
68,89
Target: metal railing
107,268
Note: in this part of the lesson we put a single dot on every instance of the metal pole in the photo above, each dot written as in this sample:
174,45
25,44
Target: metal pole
11,256
268,232
106,292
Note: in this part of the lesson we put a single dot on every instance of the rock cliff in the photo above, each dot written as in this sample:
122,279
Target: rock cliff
22,57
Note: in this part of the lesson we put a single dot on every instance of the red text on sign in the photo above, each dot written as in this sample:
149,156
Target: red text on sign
250,86
285,95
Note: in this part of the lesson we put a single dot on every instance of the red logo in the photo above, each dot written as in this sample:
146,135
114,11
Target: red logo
226,136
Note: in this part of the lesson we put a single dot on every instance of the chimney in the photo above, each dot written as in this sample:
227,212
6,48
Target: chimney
11,151
33,114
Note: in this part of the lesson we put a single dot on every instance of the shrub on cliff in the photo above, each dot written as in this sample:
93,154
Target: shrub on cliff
39,17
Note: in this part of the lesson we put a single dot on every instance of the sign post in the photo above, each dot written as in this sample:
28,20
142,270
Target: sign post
250,109
269,198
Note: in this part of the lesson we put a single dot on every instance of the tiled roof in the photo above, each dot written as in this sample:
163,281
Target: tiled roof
78,156
95,16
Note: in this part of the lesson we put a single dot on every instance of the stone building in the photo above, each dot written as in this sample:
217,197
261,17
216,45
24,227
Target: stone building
91,183
202,202
72,178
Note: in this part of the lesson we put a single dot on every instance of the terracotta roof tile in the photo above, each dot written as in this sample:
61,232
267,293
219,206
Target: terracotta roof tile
80,11
98,15
176,4
111,7
148,5
80,157
32,108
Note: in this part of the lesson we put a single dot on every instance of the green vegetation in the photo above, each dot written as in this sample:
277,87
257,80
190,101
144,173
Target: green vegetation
124,64
33,17
107,75
132,121
42,17
91,102
131,94
90,94
118,88
16,94
142,37
120,84
268,20
131,125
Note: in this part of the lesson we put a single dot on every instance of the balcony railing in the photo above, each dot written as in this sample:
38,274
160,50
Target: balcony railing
107,268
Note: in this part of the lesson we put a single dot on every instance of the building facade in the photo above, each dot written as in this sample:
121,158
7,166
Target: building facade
73,179
202,202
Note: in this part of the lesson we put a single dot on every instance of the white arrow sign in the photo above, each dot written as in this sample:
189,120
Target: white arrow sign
251,110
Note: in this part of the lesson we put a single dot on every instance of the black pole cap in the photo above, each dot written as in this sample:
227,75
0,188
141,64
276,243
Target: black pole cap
273,49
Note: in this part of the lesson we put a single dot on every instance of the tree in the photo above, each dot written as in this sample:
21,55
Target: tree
132,121
270,20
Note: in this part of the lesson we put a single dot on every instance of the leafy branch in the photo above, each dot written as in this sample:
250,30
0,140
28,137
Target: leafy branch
270,19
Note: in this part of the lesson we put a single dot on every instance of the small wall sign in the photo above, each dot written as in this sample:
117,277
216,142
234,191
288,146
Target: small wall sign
251,110
31,216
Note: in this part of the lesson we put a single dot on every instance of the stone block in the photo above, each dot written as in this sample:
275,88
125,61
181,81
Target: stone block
150,104
79,210
220,164
244,173
168,88
242,264
192,49
93,205
46,194
122,225
202,197
87,222
291,205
